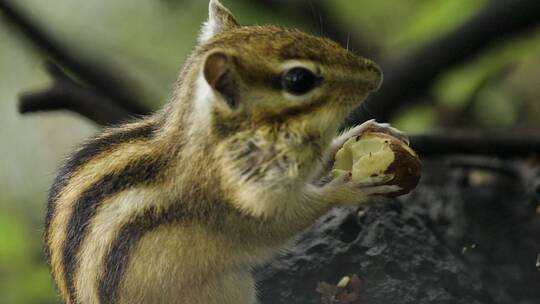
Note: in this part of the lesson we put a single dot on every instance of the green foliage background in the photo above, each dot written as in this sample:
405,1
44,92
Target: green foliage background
148,40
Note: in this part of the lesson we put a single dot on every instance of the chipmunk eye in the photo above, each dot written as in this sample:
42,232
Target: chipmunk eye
298,81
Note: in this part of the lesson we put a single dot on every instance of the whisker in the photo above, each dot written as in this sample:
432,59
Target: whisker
321,22
313,12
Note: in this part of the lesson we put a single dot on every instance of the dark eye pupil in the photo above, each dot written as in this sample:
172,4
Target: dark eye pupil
298,81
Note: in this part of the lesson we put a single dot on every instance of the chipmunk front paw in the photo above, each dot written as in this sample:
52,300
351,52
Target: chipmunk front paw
366,189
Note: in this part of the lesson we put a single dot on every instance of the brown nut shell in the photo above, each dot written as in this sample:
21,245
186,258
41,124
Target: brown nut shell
376,154
406,167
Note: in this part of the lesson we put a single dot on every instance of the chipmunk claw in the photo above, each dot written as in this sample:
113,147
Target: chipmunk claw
368,126
373,181
342,179
382,190
377,185
373,126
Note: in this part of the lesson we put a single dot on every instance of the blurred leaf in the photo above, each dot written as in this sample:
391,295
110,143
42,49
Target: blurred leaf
417,118
432,19
24,279
496,108
399,26
376,21
458,84
13,248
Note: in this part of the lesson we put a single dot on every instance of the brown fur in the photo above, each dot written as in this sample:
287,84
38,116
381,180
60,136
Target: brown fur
181,214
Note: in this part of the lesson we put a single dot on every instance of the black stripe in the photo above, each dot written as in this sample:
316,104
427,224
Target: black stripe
82,156
94,148
213,214
137,173
117,259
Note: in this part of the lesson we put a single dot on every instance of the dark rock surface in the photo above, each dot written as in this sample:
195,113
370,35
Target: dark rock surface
468,234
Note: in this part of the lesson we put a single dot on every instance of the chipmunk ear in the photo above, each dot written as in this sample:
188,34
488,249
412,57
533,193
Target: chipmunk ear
220,19
220,73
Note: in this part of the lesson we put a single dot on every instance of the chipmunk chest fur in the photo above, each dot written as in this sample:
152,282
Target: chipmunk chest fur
179,206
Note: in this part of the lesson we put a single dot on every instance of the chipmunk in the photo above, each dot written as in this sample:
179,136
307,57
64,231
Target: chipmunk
179,206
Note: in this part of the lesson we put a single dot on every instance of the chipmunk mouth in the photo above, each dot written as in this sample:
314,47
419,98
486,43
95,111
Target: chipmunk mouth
373,76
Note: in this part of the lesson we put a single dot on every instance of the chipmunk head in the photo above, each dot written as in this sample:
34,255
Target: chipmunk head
274,80
255,75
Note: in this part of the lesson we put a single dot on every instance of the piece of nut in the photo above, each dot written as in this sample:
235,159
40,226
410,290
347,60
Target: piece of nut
376,154
344,282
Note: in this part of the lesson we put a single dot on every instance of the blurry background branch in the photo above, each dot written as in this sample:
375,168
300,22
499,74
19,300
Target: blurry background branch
416,74
460,142
66,94
97,76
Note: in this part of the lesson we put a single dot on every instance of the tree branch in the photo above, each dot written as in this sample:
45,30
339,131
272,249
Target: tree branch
66,94
415,76
92,73
475,143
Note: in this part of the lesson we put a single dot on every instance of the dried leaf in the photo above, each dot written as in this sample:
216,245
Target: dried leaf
347,291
